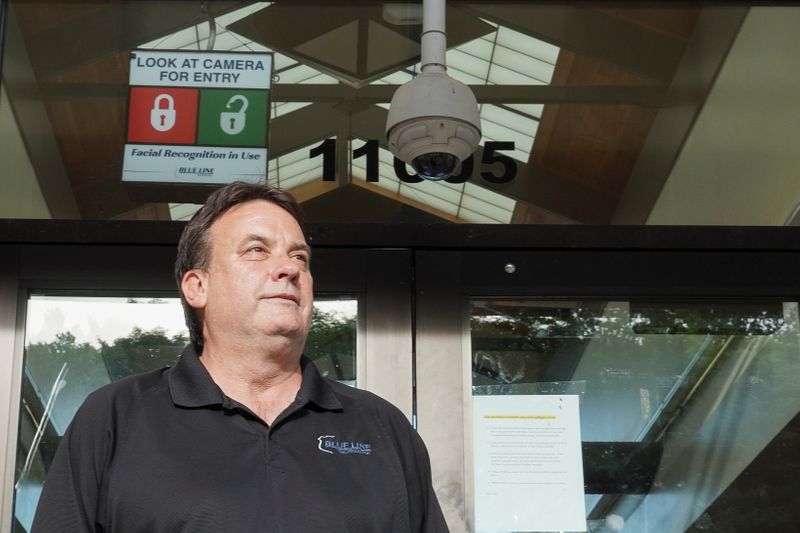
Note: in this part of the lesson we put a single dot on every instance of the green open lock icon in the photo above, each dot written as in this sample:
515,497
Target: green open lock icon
232,117
231,122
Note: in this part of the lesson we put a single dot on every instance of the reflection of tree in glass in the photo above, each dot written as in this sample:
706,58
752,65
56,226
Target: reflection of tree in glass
141,351
548,336
689,318
45,359
331,344
535,328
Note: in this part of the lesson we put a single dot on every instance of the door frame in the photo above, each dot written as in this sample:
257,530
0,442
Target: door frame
446,280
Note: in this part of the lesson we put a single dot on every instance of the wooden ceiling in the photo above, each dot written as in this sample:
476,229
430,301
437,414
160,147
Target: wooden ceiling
66,63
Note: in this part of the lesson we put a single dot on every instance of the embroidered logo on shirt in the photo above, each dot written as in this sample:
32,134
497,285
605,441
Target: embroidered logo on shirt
327,444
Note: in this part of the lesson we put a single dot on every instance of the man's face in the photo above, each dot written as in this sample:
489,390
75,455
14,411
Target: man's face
258,282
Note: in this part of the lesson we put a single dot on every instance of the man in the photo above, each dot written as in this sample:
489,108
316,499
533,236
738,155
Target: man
242,434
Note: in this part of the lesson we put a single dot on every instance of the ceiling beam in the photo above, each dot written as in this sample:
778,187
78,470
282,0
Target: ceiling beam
3,16
377,189
312,189
302,127
34,125
109,29
580,28
647,96
500,94
715,32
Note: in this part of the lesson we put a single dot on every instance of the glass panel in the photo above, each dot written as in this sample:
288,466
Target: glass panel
585,93
331,343
686,408
74,345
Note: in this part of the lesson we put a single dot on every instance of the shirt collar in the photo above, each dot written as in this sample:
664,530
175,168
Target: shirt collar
315,388
191,385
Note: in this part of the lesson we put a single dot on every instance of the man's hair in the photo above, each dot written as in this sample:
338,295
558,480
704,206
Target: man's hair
194,248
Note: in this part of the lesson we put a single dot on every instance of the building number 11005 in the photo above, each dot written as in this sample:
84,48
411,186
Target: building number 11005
490,160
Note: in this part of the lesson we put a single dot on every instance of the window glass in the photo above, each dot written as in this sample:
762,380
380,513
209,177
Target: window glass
331,343
686,408
75,344
595,113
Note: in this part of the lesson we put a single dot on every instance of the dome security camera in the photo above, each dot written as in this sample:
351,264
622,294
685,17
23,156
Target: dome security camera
433,124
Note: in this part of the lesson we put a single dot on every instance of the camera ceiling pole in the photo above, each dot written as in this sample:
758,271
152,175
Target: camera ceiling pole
434,38
433,122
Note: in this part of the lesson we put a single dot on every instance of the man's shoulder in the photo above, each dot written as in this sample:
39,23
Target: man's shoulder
126,393
107,412
360,397
364,401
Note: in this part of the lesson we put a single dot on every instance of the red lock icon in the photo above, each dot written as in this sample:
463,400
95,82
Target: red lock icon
163,115
163,119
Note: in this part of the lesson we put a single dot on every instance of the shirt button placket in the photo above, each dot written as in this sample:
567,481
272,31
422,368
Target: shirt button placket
266,435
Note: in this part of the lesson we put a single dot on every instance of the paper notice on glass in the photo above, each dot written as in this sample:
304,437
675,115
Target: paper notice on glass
528,464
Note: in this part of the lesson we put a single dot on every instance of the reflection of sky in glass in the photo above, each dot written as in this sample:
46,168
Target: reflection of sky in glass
344,309
109,318
103,318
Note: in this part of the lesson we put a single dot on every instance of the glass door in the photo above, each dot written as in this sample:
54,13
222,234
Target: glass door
83,324
686,405
76,344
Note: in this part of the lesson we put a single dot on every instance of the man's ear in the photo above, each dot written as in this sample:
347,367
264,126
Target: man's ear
194,288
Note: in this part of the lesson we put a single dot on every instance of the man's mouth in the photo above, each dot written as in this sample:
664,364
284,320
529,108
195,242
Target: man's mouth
284,296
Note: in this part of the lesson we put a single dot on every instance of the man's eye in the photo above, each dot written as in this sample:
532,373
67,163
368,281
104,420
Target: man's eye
255,250
302,258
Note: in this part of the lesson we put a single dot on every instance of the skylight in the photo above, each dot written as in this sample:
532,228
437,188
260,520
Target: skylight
502,57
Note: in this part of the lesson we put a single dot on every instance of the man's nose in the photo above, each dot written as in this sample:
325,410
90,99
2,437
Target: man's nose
285,267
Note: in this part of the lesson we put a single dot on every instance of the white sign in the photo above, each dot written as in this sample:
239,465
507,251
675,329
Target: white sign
161,68
528,464
204,165
197,117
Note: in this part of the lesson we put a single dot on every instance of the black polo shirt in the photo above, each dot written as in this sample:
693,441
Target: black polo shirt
167,451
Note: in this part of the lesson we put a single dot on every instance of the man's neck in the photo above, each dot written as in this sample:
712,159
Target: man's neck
266,382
